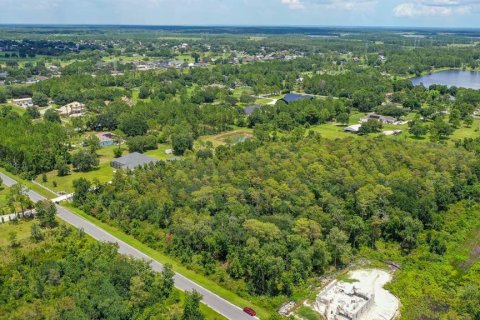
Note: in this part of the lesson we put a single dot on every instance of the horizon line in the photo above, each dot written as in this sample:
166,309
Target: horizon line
235,26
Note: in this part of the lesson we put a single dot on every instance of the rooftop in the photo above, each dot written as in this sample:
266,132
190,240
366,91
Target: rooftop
292,97
132,160
249,110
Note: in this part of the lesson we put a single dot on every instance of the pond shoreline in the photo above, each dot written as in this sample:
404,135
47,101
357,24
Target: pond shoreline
469,79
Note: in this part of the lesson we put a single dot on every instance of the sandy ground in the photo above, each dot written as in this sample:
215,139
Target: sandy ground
370,281
385,304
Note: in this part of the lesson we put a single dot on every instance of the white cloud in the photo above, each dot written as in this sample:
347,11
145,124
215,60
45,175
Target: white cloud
435,8
294,4
332,4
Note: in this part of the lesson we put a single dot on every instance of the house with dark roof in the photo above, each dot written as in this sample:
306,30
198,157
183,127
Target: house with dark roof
132,161
292,97
249,110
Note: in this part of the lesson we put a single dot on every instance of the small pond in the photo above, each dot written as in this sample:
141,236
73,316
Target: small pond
463,79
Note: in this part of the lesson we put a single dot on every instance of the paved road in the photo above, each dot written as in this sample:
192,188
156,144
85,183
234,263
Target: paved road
215,302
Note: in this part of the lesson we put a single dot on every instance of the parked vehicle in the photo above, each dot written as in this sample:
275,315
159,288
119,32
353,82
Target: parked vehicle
249,311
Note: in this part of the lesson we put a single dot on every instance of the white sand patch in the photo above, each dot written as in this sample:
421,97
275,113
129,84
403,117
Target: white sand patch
362,300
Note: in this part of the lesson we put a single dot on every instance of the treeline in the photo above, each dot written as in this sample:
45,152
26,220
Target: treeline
306,112
418,60
366,89
61,274
30,147
263,219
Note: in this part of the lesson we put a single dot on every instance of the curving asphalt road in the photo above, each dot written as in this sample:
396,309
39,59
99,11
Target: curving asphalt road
212,300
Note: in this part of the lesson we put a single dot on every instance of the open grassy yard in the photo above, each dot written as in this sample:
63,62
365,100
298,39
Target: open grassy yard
467,132
263,101
331,131
159,153
21,228
104,173
65,184
3,196
237,93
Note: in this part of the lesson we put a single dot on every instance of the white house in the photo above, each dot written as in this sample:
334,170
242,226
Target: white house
24,103
72,109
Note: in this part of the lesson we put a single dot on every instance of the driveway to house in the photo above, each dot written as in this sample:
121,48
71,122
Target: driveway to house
212,300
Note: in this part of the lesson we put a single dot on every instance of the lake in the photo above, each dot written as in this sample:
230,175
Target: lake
464,79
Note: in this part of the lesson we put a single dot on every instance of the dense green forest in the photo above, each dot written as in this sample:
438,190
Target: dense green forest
29,147
264,218
62,274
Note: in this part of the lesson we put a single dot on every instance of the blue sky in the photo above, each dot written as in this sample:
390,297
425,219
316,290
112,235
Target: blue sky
421,13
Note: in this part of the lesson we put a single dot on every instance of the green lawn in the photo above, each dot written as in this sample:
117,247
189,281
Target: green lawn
199,279
159,153
3,196
263,101
331,131
22,229
467,132
104,173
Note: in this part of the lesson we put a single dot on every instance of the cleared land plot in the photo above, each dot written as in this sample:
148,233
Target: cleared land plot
229,137
365,299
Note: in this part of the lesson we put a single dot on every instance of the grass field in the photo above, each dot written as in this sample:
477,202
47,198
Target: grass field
199,279
159,153
21,228
104,173
3,196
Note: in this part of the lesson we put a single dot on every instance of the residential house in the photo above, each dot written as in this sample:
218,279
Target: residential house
73,109
106,139
132,161
292,97
380,118
24,102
